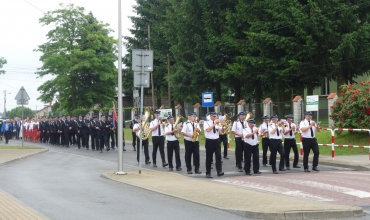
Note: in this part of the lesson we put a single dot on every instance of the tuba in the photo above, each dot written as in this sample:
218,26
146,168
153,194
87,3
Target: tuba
195,133
178,119
226,125
145,124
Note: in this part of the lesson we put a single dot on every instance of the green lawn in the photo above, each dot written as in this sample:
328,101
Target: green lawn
18,147
323,137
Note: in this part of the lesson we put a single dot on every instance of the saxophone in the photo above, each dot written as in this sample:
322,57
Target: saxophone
178,133
145,125
226,125
195,133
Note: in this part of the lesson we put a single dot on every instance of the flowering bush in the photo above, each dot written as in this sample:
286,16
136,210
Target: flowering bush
352,108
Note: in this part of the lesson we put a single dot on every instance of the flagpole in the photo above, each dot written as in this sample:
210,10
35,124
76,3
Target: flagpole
120,115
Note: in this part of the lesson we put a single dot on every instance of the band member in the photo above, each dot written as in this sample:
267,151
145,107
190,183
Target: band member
67,131
86,129
251,148
157,129
133,122
42,126
18,125
224,141
111,131
59,128
308,129
172,144
145,142
211,132
190,129
237,130
7,130
264,133
74,130
102,127
94,133
53,131
276,132
78,128
290,142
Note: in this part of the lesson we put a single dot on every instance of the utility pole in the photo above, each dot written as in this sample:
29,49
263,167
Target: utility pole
151,74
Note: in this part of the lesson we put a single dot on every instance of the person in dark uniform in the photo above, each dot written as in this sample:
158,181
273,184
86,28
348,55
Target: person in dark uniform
42,131
74,131
290,142
111,131
59,128
133,122
157,129
86,130
172,144
250,134
94,134
18,125
145,142
62,135
103,134
276,132
264,133
53,131
237,130
78,128
67,131
308,130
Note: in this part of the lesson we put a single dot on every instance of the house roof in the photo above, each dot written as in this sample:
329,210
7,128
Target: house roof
266,100
297,98
177,106
240,102
196,105
332,95
217,103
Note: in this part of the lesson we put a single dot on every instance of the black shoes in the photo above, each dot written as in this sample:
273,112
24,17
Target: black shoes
282,169
315,169
258,172
287,168
108,149
221,174
178,169
226,158
190,172
134,148
198,172
306,170
248,174
275,172
240,170
209,176
148,162
165,164
296,166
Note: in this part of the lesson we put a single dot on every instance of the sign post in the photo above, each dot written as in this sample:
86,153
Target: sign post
312,104
142,65
207,100
22,99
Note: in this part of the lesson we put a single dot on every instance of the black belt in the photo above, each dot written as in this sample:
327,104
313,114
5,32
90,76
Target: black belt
309,138
212,139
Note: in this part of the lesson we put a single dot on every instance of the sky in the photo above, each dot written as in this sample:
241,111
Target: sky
21,33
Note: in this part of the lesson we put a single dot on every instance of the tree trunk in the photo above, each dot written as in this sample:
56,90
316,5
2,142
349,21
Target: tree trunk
73,92
258,99
159,97
309,89
218,92
280,99
237,95
340,80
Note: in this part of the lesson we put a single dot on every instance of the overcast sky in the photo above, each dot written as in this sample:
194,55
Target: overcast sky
21,33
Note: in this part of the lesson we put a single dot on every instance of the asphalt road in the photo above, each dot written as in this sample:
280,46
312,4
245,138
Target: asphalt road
65,183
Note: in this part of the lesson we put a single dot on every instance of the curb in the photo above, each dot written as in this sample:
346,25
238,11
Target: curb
24,157
267,215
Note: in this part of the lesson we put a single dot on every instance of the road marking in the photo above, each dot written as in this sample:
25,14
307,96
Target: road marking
76,155
351,173
324,186
274,189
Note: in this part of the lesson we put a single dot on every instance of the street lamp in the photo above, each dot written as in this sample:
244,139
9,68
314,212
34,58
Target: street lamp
4,114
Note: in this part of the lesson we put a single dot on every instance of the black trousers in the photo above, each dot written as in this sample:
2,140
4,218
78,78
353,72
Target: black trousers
290,144
7,135
86,139
239,148
265,147
171,147
66,138
276,146
111,139
93,142
250,151
57,137
158,142
73,138
223,140
46,137
53,138
103,142
79,139
134,139
62,135
308,144
213,147
192,148
146,150
17,133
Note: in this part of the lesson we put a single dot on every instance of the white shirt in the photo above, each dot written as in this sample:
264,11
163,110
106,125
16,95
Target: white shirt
274,135
170,137
307,134
188,129
238,127
288,136
210,134
264,127
155,132
250,141
137,125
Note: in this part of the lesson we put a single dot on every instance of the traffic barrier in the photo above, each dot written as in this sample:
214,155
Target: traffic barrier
353,146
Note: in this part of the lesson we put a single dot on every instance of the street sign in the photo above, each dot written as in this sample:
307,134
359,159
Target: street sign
145,81
136,60
22,97
207,99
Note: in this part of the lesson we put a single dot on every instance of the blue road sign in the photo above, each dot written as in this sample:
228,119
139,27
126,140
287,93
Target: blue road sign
207,99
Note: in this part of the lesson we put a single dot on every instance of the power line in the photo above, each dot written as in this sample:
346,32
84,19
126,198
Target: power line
34,6
333,12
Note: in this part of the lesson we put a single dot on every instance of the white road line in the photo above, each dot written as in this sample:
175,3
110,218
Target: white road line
91,158
274,189
324,186
358,173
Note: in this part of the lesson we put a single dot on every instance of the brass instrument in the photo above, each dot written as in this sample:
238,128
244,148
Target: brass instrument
163,121
318,125
145,125
226,126
195,132
178,119
249,115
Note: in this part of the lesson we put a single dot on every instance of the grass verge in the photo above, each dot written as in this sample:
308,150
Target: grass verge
18,147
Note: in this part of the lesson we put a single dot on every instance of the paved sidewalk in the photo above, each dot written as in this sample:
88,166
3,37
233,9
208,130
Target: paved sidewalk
248,203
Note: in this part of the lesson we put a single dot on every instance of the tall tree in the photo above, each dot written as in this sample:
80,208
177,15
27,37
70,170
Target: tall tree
80,54
17,112
2,62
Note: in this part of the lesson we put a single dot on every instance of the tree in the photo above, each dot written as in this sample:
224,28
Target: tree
17,112
2,62
80,54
